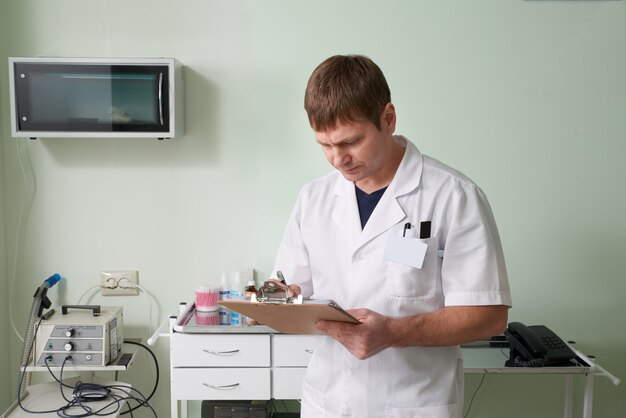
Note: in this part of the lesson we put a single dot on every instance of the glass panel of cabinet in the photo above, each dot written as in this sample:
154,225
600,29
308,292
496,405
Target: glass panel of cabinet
95,97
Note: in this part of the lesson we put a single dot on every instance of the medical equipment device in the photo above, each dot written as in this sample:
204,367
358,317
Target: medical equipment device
89,334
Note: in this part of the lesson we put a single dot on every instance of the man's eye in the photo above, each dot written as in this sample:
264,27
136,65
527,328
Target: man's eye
353,142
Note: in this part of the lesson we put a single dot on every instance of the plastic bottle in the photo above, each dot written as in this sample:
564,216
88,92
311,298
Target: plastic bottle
224,313
249,291
237,293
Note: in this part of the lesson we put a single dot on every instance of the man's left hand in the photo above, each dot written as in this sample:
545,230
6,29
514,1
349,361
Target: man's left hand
362,340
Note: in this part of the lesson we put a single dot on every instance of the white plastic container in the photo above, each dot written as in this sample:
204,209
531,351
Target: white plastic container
224,313
237,293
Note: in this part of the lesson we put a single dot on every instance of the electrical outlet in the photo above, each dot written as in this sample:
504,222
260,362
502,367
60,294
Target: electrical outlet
246,274
119,283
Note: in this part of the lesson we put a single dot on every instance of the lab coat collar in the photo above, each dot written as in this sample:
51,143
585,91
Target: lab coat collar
409,172
389,211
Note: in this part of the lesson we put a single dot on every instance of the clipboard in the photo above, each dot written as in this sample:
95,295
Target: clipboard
291,318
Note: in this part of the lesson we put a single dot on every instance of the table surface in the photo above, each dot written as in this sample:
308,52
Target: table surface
491,359
479,357
46,397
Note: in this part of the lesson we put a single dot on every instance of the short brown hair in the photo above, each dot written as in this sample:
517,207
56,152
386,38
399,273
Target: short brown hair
346,88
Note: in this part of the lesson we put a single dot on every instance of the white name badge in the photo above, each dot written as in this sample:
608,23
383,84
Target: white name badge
409,251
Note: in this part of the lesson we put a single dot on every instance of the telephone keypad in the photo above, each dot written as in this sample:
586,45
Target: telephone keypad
553,342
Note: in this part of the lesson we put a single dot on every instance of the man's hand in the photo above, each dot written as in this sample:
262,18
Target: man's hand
362,340
448,326
293,289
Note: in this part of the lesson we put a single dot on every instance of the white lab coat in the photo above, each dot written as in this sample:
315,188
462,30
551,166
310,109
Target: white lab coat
325,251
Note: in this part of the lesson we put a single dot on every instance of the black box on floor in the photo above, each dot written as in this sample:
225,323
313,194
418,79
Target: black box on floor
285,414
234,409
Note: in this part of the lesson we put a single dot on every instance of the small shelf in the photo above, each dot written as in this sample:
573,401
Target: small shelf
115,366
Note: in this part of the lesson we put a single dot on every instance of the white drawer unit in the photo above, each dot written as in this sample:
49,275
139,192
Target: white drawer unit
234,363
292,350
290,357
220,383
229,364
287,382
220,350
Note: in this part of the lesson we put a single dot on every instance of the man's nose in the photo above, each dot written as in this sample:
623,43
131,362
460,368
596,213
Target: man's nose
339,157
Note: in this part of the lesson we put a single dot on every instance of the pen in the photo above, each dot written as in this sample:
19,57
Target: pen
281,278
406,226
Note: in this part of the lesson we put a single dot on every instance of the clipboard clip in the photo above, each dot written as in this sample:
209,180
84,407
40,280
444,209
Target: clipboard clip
274,292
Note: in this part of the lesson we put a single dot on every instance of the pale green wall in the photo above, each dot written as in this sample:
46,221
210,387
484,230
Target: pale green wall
526,97
5,381
5,394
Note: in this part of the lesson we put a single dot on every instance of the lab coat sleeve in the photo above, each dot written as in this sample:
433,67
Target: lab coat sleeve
292,257
473,269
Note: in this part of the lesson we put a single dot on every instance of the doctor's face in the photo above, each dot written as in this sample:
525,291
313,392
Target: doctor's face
359,150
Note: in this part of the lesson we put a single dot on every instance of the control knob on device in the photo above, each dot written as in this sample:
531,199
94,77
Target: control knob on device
69,346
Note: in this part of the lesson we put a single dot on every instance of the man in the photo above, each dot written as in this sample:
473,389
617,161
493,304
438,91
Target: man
406,244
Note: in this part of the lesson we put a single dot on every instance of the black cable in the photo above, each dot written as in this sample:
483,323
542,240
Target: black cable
103,392
474,395
130,410
48,358
518,360
156,383
72,403
479,385
67,358
62,411
84,393
91,392
141,402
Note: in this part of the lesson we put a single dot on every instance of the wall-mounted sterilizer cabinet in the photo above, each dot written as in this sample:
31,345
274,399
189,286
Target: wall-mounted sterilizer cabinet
96,97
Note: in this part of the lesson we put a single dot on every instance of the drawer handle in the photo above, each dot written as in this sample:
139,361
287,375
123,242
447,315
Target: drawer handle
221,387
221,353
306,350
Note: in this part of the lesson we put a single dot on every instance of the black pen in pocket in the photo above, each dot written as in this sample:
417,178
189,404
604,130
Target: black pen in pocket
406,226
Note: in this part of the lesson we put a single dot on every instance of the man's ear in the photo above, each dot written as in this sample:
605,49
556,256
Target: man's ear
388,119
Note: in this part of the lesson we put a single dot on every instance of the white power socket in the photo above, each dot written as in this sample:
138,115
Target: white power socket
119,283
246,275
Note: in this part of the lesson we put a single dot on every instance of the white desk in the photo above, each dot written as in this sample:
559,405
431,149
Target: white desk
227,363
486,360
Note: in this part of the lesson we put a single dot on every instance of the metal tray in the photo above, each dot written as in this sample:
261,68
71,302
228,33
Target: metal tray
193,322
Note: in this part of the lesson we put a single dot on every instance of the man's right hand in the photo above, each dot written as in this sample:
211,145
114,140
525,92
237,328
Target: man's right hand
294,289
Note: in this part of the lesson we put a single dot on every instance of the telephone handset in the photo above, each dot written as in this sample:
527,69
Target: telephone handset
536,346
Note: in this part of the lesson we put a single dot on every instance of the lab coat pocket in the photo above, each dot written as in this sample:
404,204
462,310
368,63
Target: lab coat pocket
443,411
406,281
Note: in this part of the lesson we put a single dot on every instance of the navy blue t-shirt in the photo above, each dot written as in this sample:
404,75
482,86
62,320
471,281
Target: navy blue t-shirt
367,203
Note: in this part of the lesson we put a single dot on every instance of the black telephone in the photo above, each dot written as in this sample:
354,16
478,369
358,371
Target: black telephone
536,346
